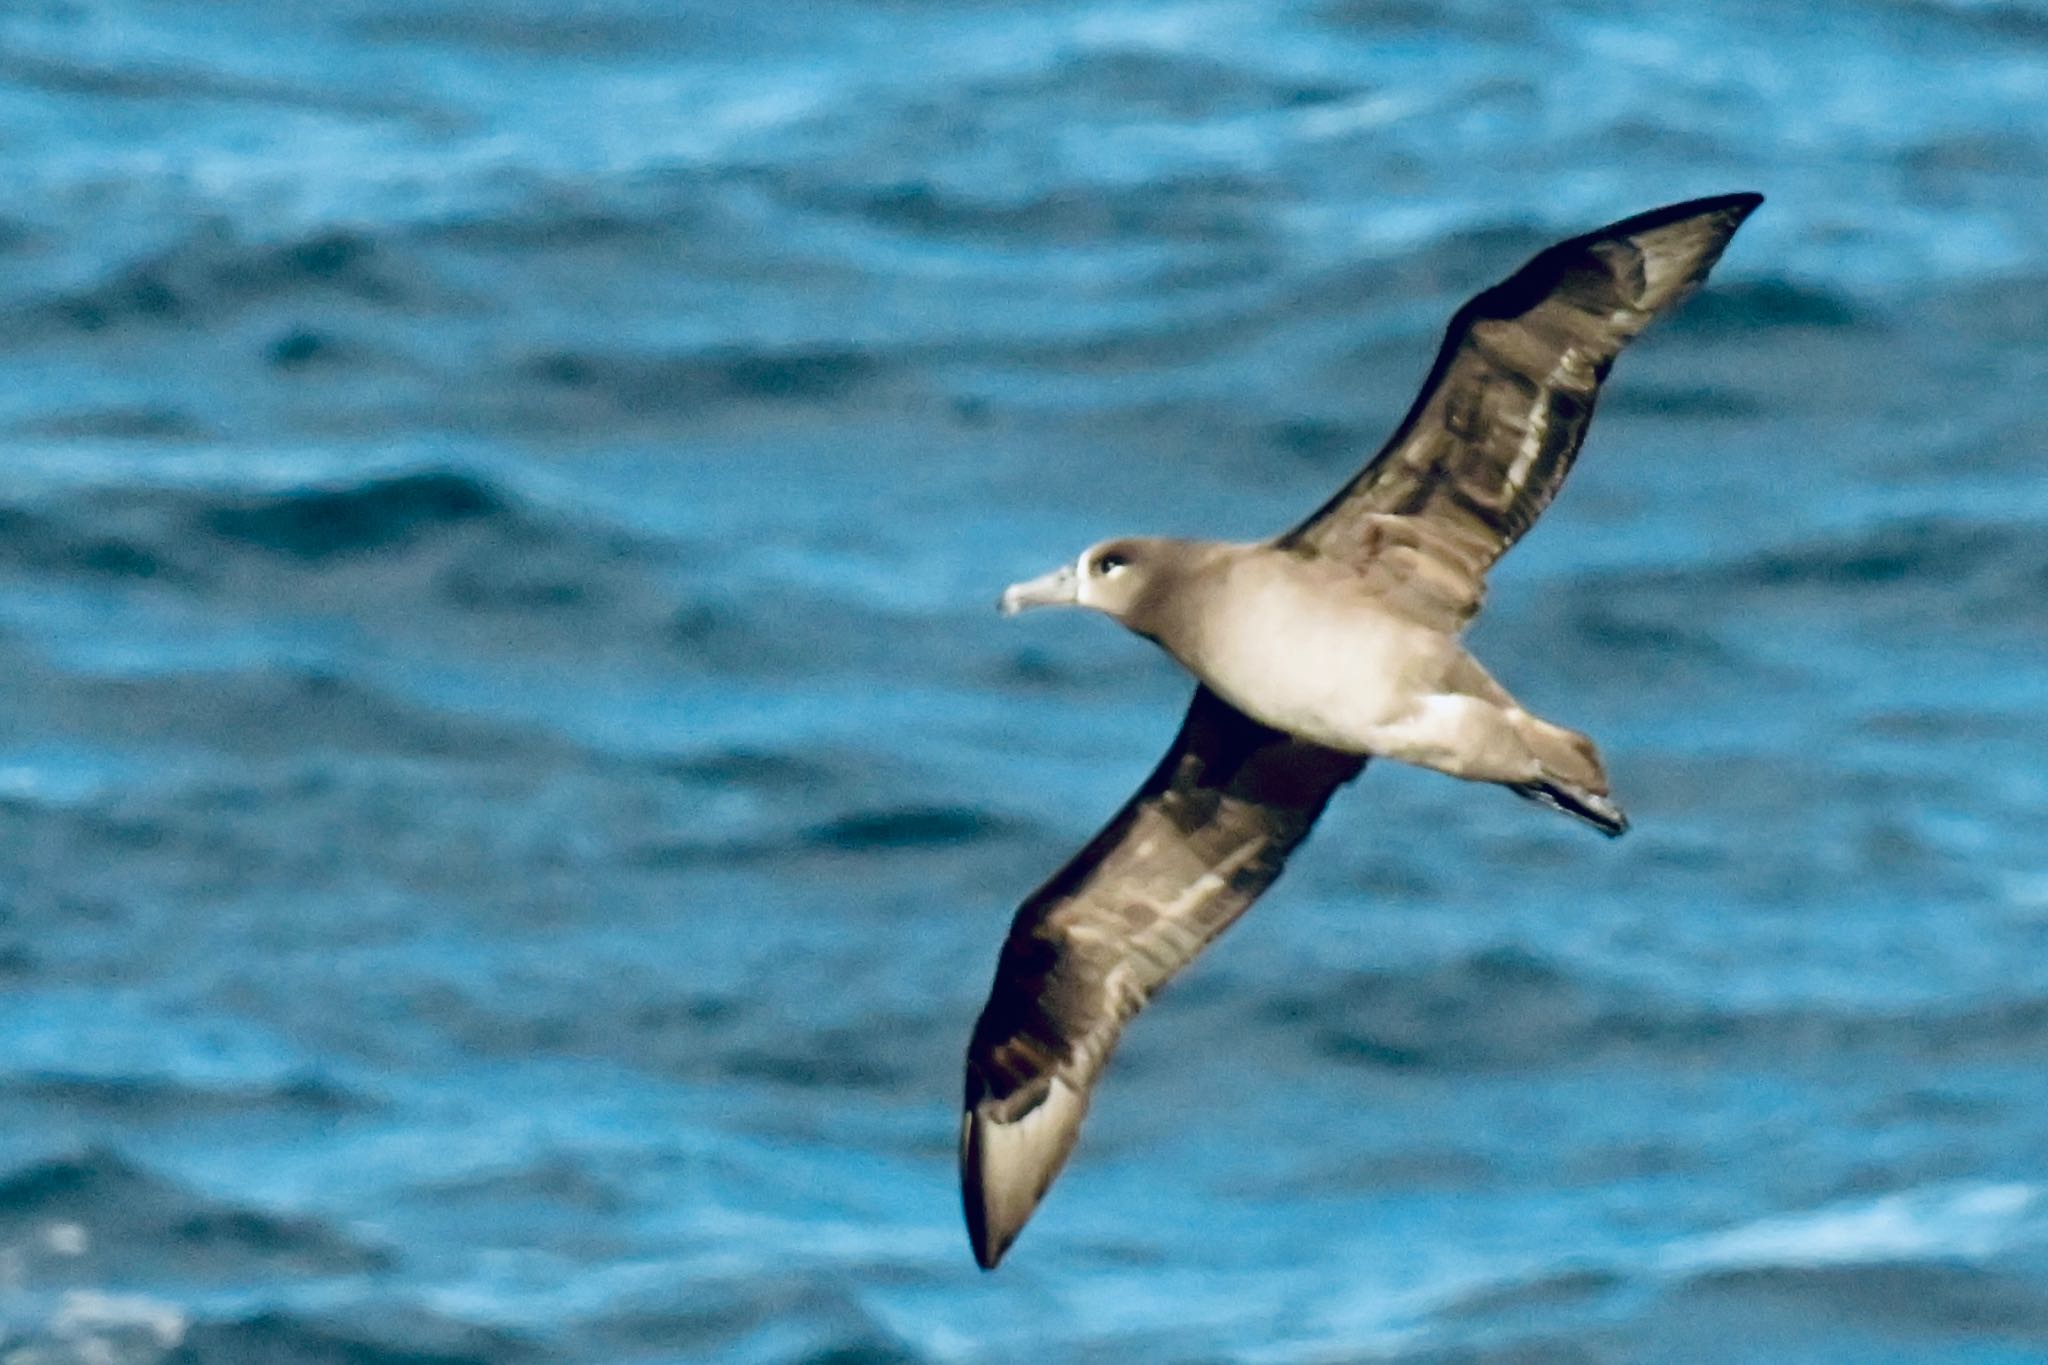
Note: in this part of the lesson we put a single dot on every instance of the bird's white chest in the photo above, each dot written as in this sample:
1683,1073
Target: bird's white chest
1333,668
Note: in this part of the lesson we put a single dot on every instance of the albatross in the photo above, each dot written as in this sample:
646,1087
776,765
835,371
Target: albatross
1336,642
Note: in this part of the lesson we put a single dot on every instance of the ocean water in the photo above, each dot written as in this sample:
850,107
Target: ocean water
511,781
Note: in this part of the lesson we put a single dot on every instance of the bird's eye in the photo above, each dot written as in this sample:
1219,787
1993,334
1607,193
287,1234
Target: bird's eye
1109,564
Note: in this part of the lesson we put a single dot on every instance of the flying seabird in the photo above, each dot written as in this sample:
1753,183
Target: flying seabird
1333,643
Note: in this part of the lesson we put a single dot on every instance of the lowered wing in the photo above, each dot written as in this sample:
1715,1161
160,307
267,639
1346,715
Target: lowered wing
1207,833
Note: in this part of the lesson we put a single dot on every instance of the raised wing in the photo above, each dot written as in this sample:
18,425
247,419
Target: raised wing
1500,418
1206,834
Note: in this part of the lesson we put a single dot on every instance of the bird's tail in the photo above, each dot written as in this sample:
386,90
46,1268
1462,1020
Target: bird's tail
1597,811
1573,779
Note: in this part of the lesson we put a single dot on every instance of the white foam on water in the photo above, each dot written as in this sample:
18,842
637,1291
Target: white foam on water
92,1316
1973,1221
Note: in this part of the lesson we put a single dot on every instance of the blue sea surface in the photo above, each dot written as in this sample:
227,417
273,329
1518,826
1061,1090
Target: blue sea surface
512,783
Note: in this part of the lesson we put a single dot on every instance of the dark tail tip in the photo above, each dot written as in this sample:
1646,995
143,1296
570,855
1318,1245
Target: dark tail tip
1597,811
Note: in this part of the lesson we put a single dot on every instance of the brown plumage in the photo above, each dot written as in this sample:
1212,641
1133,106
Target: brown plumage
1477,458
1494,431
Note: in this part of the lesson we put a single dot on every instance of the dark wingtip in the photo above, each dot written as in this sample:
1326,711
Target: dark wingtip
1713,221
1736,206
989,1245
1745,200
1007,1161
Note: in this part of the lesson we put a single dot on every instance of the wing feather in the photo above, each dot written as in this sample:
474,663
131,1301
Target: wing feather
1208,831
1499,421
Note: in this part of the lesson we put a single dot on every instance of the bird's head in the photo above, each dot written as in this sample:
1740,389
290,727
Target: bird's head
1114,577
